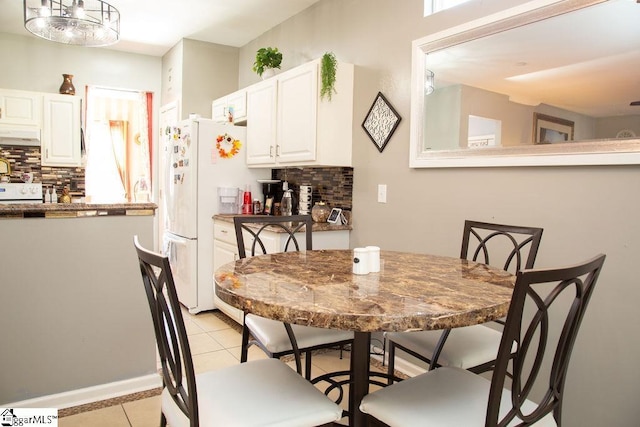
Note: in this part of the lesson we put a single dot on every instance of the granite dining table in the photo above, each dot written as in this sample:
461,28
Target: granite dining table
411,292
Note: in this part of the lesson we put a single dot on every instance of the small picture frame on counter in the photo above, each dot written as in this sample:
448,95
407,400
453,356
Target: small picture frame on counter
336,217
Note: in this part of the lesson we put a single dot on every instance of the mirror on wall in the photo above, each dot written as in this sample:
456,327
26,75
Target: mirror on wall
532,85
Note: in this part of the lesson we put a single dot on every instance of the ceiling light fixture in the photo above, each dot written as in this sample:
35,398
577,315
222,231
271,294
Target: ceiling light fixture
78,22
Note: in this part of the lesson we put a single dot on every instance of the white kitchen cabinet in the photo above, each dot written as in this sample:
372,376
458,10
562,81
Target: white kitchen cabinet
224,253
296,114
219,110
261,123
61,131
234,104
281,118
225,250
289,125
20,108
237,104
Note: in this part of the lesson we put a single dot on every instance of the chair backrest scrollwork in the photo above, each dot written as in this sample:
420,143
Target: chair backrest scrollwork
544,317
178,375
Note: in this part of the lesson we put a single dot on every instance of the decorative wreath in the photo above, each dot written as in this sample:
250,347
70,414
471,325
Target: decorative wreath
227,146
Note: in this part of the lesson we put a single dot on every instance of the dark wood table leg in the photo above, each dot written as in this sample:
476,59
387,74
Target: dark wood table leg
360,385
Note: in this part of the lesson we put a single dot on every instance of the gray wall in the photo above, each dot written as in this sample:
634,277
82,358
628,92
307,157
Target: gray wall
29,63
584,210
74,313
195,73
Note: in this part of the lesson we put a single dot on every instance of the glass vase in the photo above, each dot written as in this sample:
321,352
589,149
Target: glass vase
320,212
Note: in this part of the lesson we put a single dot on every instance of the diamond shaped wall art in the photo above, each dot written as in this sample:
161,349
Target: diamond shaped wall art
381,121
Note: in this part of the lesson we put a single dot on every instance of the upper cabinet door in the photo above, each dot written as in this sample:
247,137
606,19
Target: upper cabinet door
219,110
261,123
237,106
297,114
20,108
289,125
230,108
61,131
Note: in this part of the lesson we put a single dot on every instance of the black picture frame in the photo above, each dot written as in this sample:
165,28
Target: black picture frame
381,121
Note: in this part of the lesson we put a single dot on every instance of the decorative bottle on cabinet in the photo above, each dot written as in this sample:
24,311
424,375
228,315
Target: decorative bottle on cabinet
67,88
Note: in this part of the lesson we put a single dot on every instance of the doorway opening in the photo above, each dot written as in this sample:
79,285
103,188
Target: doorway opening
118,145
484,132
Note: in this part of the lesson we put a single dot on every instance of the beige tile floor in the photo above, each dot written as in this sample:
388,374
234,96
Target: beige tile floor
214,345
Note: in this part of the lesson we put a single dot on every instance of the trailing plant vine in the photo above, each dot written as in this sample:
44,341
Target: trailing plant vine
328,67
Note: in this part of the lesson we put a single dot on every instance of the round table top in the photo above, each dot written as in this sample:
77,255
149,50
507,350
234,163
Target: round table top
411,291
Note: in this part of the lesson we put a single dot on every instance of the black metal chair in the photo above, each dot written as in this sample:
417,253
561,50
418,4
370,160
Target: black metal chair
471,347
544,317
270,335
219,398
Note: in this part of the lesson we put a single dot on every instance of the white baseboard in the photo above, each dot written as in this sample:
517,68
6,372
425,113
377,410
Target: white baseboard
82,396
407,368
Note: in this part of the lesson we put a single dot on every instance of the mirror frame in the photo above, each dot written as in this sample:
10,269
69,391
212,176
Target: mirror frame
593,152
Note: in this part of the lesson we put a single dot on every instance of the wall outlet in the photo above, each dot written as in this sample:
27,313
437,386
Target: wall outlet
382,193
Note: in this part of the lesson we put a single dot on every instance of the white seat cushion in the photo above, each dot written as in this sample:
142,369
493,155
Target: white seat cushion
273,335
258,393
440,398
465,347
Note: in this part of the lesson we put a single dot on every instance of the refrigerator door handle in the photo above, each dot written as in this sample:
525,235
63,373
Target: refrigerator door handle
166,247
170,251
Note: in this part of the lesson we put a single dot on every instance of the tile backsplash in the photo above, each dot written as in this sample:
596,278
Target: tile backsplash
333,185
27,159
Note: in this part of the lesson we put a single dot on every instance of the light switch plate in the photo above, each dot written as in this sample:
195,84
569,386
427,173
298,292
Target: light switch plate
382,193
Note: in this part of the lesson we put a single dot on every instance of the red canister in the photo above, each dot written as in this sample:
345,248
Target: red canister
247,201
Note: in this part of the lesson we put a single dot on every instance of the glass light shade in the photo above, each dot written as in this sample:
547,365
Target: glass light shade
83,22
429,82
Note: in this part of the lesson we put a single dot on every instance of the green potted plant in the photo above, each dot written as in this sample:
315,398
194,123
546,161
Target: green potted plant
267,58
328,66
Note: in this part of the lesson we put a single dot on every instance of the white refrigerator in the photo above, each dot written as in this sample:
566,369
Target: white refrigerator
197,164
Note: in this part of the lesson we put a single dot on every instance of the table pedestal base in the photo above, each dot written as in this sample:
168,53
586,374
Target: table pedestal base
360,381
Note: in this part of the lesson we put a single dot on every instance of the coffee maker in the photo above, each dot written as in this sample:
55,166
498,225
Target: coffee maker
273,191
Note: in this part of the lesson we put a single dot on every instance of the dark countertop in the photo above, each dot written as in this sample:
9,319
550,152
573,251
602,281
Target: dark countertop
74,210
317,226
